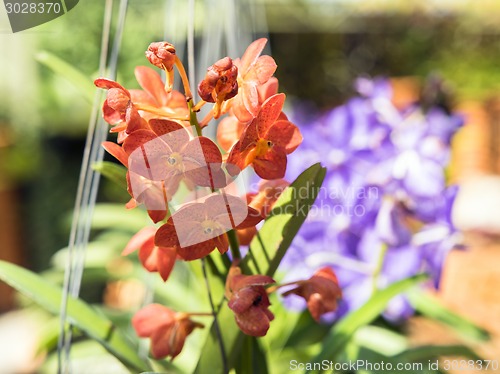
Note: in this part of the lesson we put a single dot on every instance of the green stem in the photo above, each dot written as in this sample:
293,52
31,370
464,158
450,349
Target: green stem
378,268
193,120
218,331
234,245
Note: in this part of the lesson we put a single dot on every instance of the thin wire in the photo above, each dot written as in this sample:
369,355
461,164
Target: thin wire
97,154
68,274
190,44
88,186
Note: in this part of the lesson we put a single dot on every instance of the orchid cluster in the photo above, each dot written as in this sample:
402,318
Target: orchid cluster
160,143
384,212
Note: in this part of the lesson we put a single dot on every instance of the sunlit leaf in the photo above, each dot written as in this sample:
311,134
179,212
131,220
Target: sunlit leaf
62,68
431,307
116,216
114,172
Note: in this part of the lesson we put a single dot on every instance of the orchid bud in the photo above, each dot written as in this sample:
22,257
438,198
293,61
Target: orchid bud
220,83
161,55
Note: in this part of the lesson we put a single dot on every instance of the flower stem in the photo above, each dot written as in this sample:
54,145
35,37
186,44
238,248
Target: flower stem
200,314
193,120
207,118
185,80
378,268
159,112
198,106
278,286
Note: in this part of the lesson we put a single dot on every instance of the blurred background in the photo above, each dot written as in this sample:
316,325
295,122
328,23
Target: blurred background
320,46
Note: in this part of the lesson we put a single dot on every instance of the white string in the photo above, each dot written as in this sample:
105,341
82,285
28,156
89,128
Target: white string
88,186
190,44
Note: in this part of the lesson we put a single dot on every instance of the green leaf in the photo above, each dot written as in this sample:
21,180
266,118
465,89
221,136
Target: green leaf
434,351
114,172
80,314
431,307
288,214
306,331
381,340
116,216
253,359
342,332
266,252
61,67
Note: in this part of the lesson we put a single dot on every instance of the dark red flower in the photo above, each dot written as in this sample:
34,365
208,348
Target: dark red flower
321,292
167,329
249,301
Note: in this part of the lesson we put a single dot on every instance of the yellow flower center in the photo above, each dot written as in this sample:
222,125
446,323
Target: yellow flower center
262,147
209,227
174,160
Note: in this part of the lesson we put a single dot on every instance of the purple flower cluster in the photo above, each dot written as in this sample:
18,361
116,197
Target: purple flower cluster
383,213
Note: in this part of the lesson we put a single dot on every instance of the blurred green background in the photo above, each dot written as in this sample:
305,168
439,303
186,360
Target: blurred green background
320,47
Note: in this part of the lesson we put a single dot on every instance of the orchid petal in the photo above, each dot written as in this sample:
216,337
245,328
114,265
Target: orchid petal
251,55
116,151
151,82
138,240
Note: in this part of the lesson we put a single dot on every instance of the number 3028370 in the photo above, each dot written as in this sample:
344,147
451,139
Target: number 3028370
470,365
33,8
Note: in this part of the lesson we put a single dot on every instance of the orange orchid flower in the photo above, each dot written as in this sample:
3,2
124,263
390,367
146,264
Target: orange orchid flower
129,110
153,101
118,109
249,301
230,129
197,228
254,70
168,153
167,329
153,258
266,141
321,292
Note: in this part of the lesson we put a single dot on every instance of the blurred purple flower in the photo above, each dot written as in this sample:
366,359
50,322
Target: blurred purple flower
380,216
